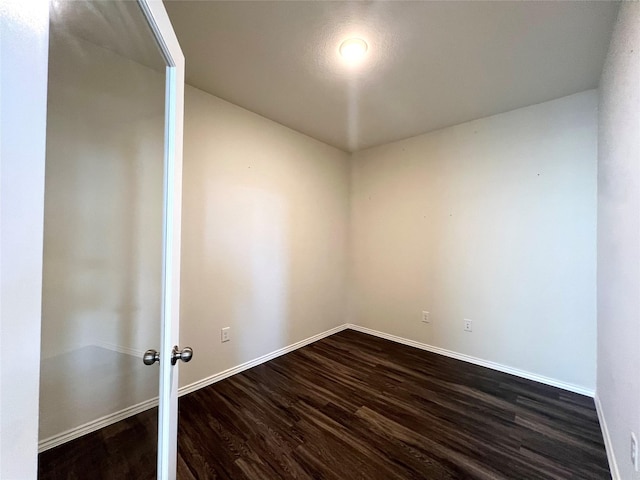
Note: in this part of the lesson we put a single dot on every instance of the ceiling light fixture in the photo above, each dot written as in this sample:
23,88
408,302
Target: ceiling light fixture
353,49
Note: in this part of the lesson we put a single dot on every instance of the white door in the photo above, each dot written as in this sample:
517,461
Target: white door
23,81
112,221
174,105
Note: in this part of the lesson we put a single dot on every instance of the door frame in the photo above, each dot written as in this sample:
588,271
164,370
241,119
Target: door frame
24,52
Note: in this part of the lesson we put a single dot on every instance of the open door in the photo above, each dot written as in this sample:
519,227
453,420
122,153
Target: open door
174,103
111,266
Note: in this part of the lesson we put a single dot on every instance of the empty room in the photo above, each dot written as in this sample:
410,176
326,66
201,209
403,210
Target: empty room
320,240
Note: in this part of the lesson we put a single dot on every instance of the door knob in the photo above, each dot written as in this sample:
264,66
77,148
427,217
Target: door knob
150,357
186,354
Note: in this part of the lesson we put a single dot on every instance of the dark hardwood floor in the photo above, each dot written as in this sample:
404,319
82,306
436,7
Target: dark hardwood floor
353,406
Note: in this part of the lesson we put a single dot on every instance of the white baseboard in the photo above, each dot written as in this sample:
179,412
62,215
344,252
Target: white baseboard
122,414
107,420
611,457
121,349
252,363
94,425
477,361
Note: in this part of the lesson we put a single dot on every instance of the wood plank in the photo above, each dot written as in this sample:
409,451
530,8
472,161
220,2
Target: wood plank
356,406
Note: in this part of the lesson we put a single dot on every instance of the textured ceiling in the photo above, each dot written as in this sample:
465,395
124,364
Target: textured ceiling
429,65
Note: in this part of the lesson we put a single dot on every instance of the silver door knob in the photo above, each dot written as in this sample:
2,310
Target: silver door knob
150,357
186,354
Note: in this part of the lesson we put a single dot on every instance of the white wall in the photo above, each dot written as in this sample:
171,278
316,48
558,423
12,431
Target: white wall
618,388
493,220
23,90
265,225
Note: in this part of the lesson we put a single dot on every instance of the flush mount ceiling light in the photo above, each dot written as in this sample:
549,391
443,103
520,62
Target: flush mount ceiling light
353,50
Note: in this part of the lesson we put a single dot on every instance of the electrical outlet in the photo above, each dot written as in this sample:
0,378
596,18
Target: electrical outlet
225,334
425,317
634,451
468,325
